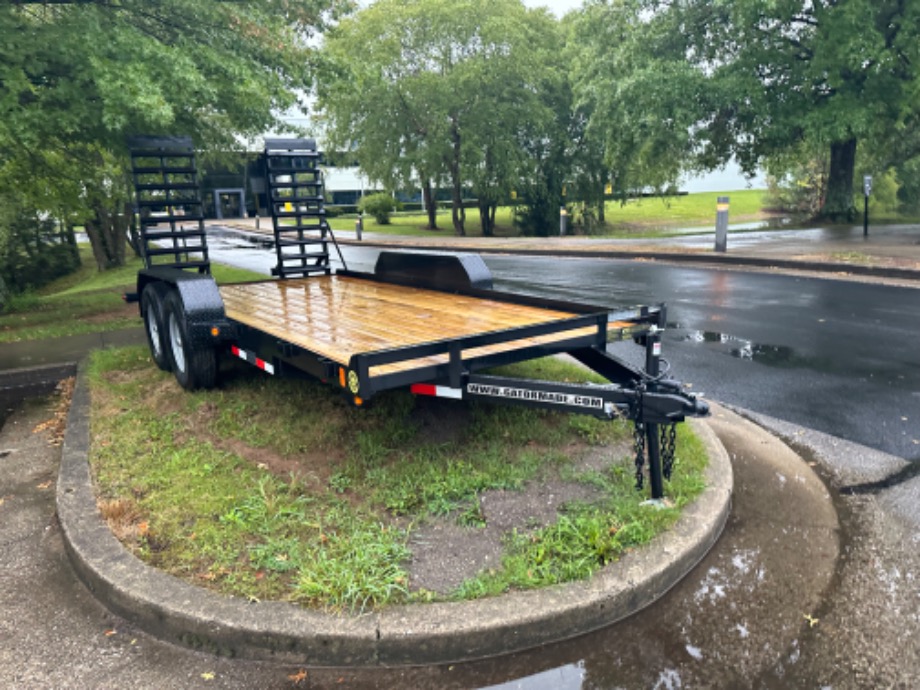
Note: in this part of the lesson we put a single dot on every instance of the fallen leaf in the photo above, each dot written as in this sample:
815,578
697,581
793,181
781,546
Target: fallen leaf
207,675
45,485
109,633
301,675
812,622
143,528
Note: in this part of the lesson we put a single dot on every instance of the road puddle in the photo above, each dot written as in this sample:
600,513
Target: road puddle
741,348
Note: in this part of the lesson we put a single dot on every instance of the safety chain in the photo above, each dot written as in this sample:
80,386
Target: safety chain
668,443
639,438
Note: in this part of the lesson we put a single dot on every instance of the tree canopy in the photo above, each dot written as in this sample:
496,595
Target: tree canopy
431,91
754,80
76,79
480,96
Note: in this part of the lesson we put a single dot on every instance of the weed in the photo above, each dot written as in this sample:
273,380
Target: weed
472,515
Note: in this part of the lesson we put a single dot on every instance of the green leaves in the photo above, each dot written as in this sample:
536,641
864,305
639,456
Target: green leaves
77,78
439,91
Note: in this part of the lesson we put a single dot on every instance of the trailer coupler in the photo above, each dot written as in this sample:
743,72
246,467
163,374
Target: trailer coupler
654,406
663,402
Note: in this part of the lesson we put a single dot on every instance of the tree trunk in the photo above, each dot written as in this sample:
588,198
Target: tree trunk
457,213
602,200
486,216
69,240
838,204
431,206
106,232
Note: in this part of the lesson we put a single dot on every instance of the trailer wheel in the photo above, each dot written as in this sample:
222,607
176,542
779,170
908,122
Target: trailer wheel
194,366
153,312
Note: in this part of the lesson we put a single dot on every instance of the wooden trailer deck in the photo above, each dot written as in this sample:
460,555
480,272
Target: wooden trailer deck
338,317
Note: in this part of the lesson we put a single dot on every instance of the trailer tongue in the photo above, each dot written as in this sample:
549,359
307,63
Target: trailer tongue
428,322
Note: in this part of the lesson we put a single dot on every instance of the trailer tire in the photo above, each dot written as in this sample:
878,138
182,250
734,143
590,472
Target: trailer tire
153,312
194,366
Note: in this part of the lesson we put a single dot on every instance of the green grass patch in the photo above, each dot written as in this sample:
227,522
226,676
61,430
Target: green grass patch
688,210
644,217
588,536
87,301
275,489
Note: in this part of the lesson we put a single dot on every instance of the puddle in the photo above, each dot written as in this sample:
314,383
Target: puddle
567,677
771,355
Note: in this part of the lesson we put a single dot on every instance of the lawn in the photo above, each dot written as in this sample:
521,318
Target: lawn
278,489
87,301
635,218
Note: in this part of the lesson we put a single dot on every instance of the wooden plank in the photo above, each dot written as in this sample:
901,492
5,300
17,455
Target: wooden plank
337,317
507,346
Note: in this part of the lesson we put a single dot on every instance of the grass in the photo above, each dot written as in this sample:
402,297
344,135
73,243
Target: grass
637,217
275,489
87,301
586,537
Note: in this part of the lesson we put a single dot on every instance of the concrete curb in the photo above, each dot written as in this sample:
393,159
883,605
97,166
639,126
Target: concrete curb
710,259
736,260
404,635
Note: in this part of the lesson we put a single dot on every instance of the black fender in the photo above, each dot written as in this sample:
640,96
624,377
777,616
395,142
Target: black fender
201,302
449,272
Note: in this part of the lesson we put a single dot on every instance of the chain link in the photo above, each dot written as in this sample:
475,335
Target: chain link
639,438
668,445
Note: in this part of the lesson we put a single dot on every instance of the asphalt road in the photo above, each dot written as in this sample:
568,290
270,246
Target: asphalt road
836,356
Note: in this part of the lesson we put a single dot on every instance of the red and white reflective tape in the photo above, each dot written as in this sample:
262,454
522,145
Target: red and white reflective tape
252,359
436,391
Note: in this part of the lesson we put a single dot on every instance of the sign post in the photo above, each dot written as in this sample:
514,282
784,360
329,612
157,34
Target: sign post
867,190
721,223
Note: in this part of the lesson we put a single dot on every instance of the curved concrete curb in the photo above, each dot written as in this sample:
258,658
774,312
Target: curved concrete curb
414,634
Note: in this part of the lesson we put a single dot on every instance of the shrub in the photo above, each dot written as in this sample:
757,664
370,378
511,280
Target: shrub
379,205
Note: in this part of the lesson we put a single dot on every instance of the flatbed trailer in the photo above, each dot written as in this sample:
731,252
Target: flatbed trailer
429,322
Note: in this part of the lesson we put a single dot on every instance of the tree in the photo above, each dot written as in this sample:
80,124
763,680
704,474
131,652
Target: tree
637,93
697,82
818,73
76,79
438,90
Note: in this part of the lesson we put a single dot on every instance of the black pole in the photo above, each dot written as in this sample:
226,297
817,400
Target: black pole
652,442
866,216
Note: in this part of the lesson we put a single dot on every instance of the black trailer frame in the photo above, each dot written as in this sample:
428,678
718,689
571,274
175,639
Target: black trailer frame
187,326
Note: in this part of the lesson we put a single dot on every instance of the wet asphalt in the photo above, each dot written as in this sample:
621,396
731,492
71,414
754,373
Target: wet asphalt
808,587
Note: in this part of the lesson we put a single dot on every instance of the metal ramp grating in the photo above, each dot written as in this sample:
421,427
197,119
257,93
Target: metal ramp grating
295,188
168,202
